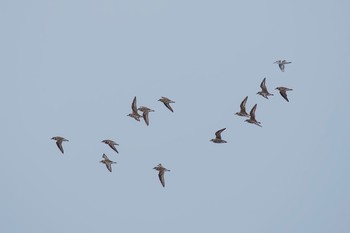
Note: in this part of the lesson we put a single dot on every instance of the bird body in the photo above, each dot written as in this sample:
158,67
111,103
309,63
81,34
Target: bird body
283,92
281,64
145,112
217,138
264,93
166,101
161,170
252,119
107,162
59,141
111,144
134,114
243,112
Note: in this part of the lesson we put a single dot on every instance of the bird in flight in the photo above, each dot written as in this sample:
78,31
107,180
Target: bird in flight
134,114
252,119
161,170
59,141
166,101
111,144
243,112
217,138
145,112
281,64
107,162
264,93
283,92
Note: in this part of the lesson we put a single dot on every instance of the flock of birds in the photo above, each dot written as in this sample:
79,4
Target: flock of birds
166,101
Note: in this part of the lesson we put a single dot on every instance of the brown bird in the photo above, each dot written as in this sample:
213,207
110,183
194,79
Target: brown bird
242,106
111,144
59,141
166,101
134,114
252,119
161,170
283,92
107,162
217,138
145,112
264,93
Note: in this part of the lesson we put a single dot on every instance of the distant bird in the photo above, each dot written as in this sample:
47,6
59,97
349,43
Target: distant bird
242,106
281,64
283,92
264,93
59,141
107,162
217,138
145,112
166,101
252,119
161,170
111,144
134,114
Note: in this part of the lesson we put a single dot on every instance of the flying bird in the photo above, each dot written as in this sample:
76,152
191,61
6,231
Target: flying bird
111,144
161,170
281,64
217,138
283,92
145,112
166,101
59,141
107,162
134,114
243,112
264,93
252,119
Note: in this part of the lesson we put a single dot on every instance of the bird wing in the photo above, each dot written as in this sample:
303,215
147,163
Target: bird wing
109,166
161,177
59,145
145,117
105,157
113,147
168,106
281,65
218,133
284,95
263,86
252,112
242,106
133,105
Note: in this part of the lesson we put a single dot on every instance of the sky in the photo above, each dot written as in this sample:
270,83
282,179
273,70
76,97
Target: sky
72,68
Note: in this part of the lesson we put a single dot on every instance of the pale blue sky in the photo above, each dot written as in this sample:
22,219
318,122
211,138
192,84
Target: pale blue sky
72,68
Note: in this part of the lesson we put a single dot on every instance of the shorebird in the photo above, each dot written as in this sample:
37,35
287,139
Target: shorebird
145,112
107,162
134,114
217,138
283,92
161,170
252,119
264,93
281,64
111,144
59,141
166,101
242,106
